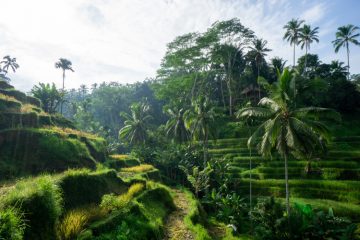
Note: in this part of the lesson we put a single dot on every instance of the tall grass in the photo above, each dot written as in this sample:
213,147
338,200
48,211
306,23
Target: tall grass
12,225
41,202
75,221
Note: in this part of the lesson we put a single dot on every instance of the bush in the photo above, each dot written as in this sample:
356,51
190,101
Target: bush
11,224
303,223
41,202
82,187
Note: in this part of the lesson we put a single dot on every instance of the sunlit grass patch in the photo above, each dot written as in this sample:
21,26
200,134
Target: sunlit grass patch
139,169
74,221
119,156
67,131
8,98
112,202
28,108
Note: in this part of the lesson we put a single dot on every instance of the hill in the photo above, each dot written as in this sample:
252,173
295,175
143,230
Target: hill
33,141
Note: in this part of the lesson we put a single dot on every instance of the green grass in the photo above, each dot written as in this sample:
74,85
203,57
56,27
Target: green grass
194,220
341,209
40,200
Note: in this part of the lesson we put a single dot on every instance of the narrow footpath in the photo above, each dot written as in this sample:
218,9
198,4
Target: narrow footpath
175,228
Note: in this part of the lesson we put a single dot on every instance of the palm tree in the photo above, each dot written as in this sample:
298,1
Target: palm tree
199,121
278,64
136,124
306,37
285,128
291,35
9,62
337,68
258,51
64,64
345,35
175,126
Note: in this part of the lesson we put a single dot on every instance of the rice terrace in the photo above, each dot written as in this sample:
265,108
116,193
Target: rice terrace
179,120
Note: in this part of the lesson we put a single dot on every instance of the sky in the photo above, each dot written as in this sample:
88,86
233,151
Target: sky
124,40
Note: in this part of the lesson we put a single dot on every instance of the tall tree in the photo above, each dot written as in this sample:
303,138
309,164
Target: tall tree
175,126
64,64
199,121
285,128
291,35
9,63
306,37
258,51
345,35
136,124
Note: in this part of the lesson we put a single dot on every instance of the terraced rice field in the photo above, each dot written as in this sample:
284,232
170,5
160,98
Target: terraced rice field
333,180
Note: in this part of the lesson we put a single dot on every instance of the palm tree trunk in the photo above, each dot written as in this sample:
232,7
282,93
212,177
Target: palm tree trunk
305,59
250,183
230,96
348,58
294,56
63,79
287,184
258,74
222,93
63,88
206,148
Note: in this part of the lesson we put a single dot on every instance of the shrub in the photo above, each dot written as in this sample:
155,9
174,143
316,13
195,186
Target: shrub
302,223
11,224
82,187
40,201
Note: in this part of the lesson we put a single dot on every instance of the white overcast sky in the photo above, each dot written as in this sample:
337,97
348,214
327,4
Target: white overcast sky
124,40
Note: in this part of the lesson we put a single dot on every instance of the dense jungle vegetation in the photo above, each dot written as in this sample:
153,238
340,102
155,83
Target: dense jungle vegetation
221,144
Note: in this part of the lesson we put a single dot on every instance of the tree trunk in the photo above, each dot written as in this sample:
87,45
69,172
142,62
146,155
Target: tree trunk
230,96
63,88
258,74
348,58
294,56
205,148
250,184
222,93
306,53
287,184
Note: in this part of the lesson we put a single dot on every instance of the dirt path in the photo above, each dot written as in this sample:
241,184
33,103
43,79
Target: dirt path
175,228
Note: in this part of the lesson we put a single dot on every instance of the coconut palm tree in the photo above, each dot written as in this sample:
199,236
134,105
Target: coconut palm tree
199,120
291,35
175,126
345,35
64,64
258,50
136,124
306,37
9,63
337,68
285,128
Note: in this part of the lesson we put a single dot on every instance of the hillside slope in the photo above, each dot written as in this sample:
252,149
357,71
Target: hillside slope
329,181
33,141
